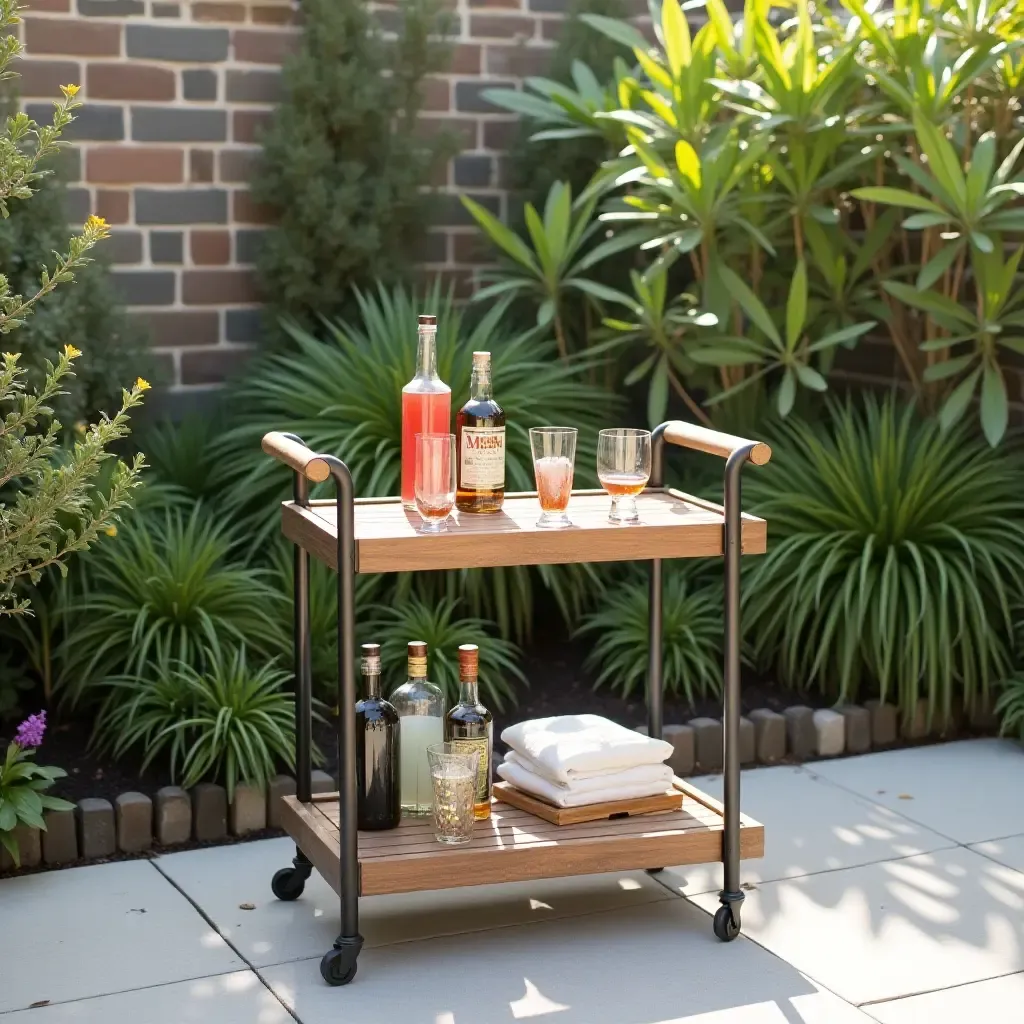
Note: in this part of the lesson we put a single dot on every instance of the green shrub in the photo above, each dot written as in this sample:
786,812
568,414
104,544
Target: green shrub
894,552
183,457
1010,708
691,634
345,172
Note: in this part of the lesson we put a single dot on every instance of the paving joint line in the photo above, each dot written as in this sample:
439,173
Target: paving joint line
933,991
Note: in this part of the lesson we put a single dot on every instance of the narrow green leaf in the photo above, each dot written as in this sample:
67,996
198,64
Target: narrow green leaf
955,406
616,30
810,378
657,396
676,32
995,409
749,303
896,197
688,163
500,235
938,265
787,393
796,305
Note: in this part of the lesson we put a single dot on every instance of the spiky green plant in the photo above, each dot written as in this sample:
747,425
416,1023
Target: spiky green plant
182,455
894,552
1010,708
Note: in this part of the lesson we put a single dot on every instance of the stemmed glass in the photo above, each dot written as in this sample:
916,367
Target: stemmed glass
435,480
624,467
554,453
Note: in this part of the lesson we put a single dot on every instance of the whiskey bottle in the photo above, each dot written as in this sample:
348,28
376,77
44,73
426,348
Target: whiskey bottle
420,707
378,798
480,439
469,726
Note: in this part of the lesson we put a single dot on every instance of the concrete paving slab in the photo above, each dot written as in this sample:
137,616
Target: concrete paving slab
658,962
995,1000
220,879
883,931
100,929
969,791
1009,852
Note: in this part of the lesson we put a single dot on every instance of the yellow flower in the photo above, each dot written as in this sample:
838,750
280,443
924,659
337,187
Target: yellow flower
80,426
70,90
143,385
96,224
111,531
71,352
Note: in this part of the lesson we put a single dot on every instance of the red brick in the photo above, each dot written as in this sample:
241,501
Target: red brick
466,59
246,124
126,165
173,329
501,26
237,164
518,61
218,287
209,248
200,165
464,129
45,77
244,210
113,206
436,94
76,37
275,15
57,6
213,365
551,30
256,47
129,82
500,135
218,12
470,248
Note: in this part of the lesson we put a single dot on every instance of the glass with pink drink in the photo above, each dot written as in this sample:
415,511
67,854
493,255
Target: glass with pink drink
426,405
554,454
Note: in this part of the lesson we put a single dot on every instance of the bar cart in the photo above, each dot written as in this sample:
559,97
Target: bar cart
378,535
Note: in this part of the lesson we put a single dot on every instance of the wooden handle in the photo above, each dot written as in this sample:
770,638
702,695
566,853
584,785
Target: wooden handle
714,442
297,456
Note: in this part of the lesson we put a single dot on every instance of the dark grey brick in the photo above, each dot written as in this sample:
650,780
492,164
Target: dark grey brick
432,247
67,163
447,210
166,11
60,841
253,86
191,206
243,324
321,782
858,728
110,8
30,851
248,244
199,84
469,96
77,204
707,734
800,731
94,122
96,836
683,753
474,171
166,246
166,124
769,735
195,45
123,247
549,6
209,811
144,287
748,744
883,723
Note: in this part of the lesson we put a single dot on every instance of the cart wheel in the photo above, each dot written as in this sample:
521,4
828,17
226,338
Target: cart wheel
287,884
727,927
338,966
654,871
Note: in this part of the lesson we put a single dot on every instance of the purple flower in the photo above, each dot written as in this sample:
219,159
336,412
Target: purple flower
30,733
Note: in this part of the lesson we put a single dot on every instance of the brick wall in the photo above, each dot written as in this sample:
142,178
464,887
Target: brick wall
175,93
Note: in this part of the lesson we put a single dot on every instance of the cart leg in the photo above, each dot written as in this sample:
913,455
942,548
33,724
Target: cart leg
655,689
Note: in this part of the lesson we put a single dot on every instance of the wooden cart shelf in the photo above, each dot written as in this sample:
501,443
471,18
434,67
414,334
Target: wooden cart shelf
387,536
514,845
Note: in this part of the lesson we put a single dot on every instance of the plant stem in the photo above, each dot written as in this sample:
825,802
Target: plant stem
688,399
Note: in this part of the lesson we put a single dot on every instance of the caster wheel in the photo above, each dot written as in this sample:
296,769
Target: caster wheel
287,884
338,967
654,871
726,926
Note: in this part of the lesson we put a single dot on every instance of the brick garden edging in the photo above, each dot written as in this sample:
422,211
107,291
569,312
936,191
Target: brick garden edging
134,823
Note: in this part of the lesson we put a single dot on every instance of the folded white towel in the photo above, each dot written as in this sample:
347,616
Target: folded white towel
583,782
568,744
572,796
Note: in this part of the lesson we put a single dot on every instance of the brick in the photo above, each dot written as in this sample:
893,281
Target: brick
199,84
321,782
858,728
54,6
181,206
248,809
129,82
883,723
209,811
683,743
917,725
469,96
72,37
200,166
769,735
60,840
470,248
500,26
748,741
981,717
252,86
473,171
431,248
172,816
45,77
519,61
246,125
465,59
78,205
96,833
506,4
126,165
123,247
243,325
113,206
801,736
159,42
237,164
180,328
462,129
167,246
707,736
110,8
280,786
144,287
166,11
248,245
549,6
212,366
134,813
830,730
94,122
245,210
273,15
29,849
270,47
435,95
169,124
218,12
210,247
218,287
500,135
551,30
164,368
447,209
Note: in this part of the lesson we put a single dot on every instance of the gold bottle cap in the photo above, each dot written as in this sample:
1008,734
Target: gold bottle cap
469,661
417,658
370,662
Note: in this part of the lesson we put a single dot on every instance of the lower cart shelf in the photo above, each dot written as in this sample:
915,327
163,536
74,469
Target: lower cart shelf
514,845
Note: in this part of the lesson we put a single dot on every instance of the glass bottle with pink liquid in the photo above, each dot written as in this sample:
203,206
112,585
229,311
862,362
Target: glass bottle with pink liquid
426,405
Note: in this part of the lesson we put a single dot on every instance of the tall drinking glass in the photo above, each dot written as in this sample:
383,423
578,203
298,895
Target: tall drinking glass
435,480
624,467
554,454
453,774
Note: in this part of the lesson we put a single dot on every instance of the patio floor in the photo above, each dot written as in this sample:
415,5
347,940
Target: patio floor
892,892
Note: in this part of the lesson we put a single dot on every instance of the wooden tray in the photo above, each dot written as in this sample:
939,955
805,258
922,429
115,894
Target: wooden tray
671,800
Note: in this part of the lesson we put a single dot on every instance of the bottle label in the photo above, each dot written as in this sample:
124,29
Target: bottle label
482,458
483,767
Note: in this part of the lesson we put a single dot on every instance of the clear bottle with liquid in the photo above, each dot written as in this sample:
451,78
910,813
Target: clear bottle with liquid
470,726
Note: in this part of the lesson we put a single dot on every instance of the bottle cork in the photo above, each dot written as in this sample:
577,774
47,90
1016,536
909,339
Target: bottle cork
417,658
469,661
427,320
371,659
